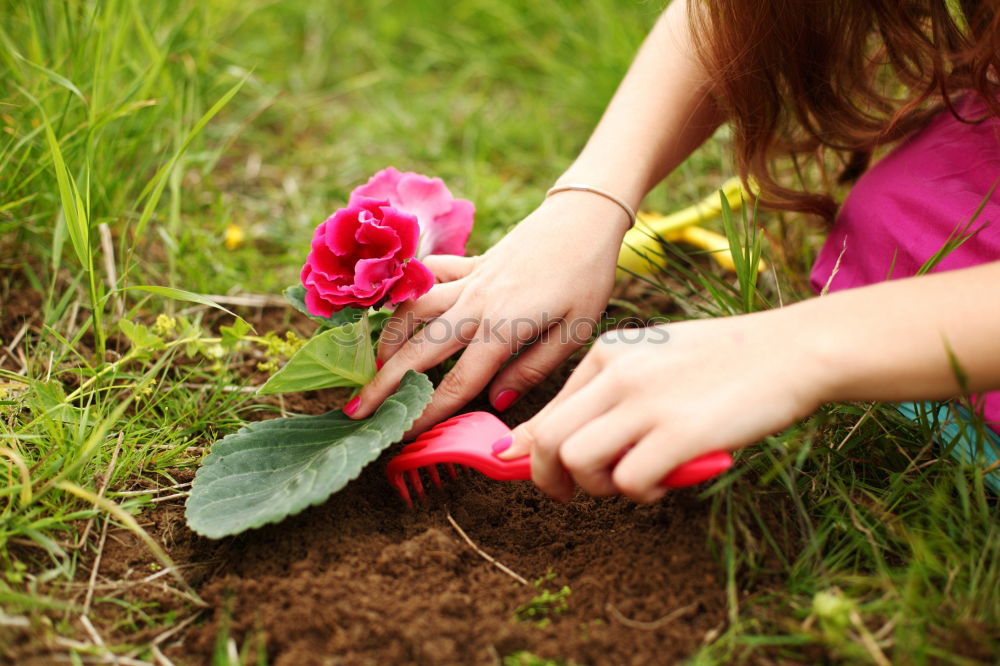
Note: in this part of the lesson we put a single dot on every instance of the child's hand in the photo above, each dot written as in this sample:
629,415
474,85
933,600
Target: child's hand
646,400
552,275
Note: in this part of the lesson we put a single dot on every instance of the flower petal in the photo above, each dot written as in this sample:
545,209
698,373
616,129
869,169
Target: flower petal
324,286
448,233
317,306
375,275
363,254
379,239
330,266
407,228
415,281
380,186
425,197
339,231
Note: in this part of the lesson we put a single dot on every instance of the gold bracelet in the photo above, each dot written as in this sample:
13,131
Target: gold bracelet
594,190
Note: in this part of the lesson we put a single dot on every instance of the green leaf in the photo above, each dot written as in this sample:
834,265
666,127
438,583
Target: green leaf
376,321
73,209
48,399
296,296
58,79
231,335
341,356
273,469
189,296
140,336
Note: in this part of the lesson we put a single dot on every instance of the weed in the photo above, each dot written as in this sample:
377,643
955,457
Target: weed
547,603
529,659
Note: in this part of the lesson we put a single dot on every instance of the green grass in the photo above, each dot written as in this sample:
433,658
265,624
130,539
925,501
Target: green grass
168,122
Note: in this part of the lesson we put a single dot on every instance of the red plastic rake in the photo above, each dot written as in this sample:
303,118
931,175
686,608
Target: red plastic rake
467,439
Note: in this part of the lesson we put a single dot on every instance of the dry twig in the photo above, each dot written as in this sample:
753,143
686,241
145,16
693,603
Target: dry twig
104,531
165,498
868,641
152,491
9,349
232,388
97,565
486,556
160,658
85,658
649,626
107,655
176,629
104,487
108,247
17,338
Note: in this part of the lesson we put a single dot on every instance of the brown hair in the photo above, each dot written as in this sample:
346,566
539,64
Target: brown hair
799,77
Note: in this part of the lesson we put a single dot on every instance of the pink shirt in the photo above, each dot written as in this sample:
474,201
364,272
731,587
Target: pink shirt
903,209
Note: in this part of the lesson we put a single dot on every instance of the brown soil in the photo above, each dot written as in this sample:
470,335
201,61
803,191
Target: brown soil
18,307
363,580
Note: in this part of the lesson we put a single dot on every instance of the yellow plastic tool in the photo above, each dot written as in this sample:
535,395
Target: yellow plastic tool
641,244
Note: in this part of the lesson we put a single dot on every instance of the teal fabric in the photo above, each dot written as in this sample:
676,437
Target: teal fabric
967,443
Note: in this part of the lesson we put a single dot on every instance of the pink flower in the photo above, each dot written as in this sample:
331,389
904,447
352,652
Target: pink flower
363,256
445,222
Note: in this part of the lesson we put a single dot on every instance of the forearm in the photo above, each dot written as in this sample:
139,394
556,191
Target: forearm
661,112
897,340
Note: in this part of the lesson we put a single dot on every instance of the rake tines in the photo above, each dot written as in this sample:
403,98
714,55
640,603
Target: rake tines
398,480
461,440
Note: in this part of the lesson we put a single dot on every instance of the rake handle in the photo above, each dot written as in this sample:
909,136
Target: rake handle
691,473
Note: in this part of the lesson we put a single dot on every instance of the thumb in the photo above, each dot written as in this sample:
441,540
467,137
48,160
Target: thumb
546,470
517,444
448,267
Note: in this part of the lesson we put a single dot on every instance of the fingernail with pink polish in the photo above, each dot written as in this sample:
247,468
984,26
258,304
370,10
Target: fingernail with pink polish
378,364
502,444
353,405
505,399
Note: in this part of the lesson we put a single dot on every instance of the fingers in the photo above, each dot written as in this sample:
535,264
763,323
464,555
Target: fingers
545,434
449,267
400,326
546,470
581,375
432,344
590,453
477,364
537,362
639,473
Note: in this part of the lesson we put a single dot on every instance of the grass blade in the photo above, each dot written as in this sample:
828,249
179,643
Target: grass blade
154,189
182,295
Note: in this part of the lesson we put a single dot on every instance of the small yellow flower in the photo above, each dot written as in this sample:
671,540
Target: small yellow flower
164,325
234,236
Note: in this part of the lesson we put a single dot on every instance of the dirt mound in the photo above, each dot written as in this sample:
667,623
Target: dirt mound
360,580
363,580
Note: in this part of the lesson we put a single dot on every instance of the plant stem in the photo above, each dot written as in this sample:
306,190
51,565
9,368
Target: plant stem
130,356
98,313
